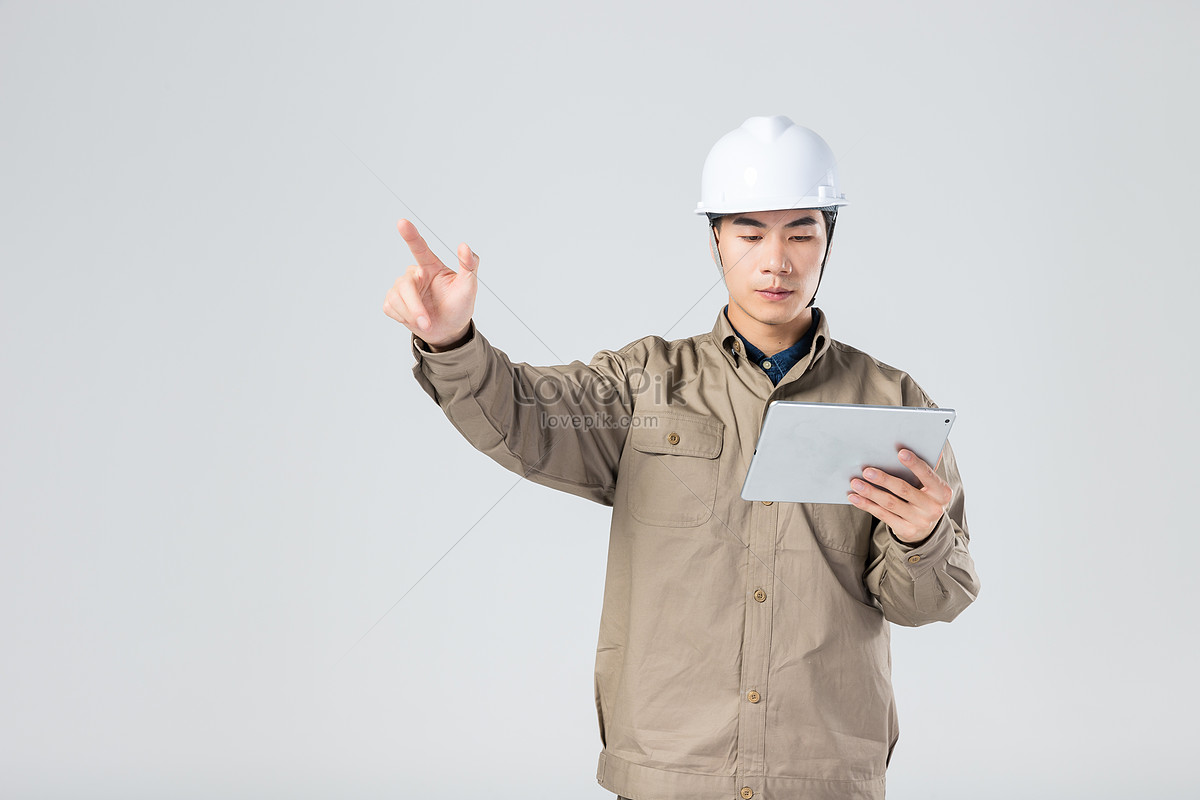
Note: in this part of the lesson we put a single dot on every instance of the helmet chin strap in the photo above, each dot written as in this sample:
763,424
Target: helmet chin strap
712,242
828,244
716,252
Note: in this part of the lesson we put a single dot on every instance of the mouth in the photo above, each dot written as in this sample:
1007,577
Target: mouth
774,294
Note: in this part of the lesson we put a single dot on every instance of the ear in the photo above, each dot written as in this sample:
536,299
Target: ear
712,243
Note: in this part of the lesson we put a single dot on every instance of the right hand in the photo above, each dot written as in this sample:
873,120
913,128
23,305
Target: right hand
430,299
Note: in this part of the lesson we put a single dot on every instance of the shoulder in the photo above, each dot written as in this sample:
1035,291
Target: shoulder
655,349
847,355
862,366
653,358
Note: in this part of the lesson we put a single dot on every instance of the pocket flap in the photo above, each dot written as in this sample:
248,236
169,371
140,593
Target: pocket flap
677,434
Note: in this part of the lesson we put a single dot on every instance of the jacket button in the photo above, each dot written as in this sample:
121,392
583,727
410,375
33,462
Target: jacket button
768,502
747,792
913,559
673,437
753,696
760,595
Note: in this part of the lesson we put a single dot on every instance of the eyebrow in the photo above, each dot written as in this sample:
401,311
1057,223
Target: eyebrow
753,223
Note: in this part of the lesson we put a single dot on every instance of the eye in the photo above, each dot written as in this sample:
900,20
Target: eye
802,238
750,238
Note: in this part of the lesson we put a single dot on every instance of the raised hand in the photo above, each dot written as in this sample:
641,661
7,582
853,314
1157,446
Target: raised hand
430,299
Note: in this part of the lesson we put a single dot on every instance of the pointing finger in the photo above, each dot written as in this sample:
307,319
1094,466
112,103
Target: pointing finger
418,247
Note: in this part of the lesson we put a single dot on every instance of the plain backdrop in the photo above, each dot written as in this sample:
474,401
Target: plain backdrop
243,555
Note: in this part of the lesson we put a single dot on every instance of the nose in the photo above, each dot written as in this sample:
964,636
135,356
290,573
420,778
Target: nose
776,257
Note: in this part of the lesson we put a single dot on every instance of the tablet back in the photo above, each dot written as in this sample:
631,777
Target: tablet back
808,452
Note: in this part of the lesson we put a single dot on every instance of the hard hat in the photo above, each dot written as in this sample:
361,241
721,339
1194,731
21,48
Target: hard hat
769,164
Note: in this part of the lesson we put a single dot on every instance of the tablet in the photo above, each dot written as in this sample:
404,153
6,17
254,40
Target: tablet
808,452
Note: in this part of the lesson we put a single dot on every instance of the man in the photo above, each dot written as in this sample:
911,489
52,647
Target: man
744,646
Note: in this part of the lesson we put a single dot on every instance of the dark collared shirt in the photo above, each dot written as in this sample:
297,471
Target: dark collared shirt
777,366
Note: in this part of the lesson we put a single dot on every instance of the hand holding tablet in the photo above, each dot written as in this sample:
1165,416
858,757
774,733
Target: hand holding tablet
912,512
810,452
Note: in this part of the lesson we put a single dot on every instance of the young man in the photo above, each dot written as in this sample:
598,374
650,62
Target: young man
744,646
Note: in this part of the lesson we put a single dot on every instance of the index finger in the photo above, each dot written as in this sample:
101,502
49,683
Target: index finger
417,246
925,473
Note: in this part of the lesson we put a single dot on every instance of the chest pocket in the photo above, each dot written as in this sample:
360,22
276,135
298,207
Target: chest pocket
674,465
843,527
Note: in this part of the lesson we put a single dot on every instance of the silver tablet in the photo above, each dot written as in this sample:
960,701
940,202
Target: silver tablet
808,452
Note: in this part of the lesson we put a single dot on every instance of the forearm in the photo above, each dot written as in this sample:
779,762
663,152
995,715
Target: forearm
930,582
458,341
536,421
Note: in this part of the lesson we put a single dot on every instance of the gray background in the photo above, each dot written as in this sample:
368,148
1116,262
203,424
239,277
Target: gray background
217,472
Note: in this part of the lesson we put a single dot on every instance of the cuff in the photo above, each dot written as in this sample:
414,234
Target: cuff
453,363
920,557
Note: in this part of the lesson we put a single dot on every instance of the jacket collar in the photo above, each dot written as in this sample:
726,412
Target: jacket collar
725,337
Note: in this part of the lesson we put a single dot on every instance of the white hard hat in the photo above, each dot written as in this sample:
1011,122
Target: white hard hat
769,164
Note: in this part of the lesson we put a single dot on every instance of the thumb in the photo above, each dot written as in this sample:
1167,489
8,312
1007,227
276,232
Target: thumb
468,260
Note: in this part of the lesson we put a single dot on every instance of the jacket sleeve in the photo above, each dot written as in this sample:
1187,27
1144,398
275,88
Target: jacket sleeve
934,580
560,426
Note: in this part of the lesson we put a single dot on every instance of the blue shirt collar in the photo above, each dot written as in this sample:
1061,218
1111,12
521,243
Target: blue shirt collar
777,365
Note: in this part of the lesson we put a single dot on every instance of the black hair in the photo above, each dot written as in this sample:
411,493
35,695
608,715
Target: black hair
829,213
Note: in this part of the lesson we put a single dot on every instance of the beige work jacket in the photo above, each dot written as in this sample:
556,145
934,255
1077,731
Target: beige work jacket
744,646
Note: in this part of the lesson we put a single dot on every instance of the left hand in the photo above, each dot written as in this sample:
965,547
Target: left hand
911,513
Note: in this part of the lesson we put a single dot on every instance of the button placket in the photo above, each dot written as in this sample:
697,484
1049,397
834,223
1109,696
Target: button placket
756,641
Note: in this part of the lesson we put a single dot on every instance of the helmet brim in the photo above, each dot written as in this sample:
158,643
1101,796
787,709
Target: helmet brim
772,204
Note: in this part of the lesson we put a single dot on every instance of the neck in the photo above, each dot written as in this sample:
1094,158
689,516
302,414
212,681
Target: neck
767,337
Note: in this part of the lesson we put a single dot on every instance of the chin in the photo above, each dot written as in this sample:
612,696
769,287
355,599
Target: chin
790,309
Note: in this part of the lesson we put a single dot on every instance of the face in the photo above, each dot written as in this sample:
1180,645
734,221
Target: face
772,264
